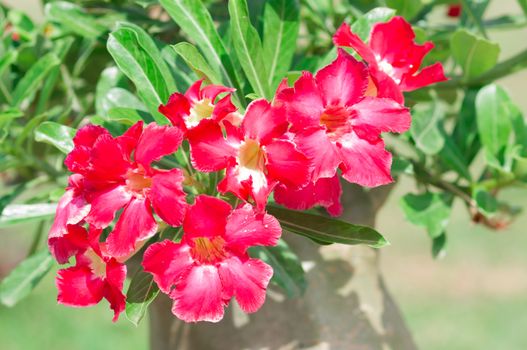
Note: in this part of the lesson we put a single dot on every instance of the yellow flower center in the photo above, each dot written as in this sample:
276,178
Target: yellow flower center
207,250
251,155
137,181
200,110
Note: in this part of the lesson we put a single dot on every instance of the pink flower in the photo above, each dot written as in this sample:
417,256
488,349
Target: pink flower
211,265
325,192
117,174
336,125
393,58
186,111
95,276
257,156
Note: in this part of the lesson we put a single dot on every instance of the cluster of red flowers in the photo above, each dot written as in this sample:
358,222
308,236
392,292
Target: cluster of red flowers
293,145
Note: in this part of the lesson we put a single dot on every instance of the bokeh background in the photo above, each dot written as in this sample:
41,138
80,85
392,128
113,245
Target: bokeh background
475,297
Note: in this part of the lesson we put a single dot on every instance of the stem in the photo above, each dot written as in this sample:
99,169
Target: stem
477,21
507,67
37,238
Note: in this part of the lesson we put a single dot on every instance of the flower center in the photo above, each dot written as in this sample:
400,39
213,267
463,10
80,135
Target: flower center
251,155
207,250
96,263
387,68
137,181
335,119
200,110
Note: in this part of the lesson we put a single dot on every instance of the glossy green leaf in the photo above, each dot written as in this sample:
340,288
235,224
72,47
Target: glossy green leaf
428,210
475,55
280,32
494,122
110,77
406,8
425,127
485,201
23,279
19,213
137,56
27,86
194,19
128,115
287,268
465,133
325,229
363,25
439,246
119,97
142,291
195,61
248,48
58,135
74,18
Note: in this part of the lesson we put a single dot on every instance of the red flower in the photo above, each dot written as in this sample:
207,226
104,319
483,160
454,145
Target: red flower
454,10
325,192
211,265
257,155
95,276
186,111
117,174
393,58
338,126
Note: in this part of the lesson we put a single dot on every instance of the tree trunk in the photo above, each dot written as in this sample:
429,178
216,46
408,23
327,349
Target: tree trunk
346,305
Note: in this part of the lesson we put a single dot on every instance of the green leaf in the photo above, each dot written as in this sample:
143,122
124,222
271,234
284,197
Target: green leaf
363,25
128,115
425,127
428,210
486,203
19,213
194,19
280,32
73,18
287,268
119,97
60,136
7,59
11,196
493,119
439,246
110,77
452,157
21,281
248,48
142,291
137,56
26,87
324,229
406,8
475,55
10,114
195,60
465,132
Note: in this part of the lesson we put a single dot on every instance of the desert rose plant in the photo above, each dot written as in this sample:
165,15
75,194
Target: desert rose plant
196,136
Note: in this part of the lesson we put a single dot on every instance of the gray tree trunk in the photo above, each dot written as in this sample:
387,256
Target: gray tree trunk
346,305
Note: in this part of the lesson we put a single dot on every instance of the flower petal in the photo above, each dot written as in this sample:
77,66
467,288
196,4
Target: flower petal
135,224
315,144
156,142
105,203
364,160
167,261
382,114
212,91
343,81
248,281
79,286
287,164
303,104
345,37
167,196
198,297
73,242
428,75
263,122
247,227
325,192
209,150
108,160
177,107
113,291
206,218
